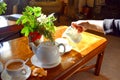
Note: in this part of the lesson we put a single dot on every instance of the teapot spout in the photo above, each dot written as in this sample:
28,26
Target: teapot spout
33,46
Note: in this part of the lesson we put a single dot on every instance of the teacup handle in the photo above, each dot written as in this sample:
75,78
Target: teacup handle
23,71
63,47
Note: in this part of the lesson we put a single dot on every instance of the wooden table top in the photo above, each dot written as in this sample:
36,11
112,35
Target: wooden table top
19,48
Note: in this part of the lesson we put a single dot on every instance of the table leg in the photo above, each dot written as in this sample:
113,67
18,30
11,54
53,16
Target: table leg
99,63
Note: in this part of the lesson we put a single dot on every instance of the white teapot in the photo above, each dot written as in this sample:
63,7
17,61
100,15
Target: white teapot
47,52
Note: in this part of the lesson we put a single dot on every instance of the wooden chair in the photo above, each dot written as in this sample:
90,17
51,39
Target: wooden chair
10,32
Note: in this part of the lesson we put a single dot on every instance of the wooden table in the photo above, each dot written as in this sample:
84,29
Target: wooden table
90,46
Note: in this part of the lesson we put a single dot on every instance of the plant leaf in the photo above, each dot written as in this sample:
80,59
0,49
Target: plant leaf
25,31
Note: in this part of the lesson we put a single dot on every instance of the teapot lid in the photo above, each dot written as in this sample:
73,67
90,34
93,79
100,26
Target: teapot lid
47,43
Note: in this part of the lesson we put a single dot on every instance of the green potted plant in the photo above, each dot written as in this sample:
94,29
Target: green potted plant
36,23
3,7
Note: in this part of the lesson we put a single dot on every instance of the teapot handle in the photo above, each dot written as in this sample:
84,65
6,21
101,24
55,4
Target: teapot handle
63,47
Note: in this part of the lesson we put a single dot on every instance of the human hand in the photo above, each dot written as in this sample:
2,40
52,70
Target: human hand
80,25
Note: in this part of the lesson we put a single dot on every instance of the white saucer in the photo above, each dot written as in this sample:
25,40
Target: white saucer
6,76
37,63
65,42
68,48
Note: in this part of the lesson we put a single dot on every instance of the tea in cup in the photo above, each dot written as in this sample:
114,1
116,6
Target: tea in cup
16,68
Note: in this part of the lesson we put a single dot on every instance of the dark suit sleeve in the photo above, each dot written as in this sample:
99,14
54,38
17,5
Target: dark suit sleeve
112,26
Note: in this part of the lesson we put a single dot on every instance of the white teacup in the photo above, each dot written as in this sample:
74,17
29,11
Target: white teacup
16,68
47,52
